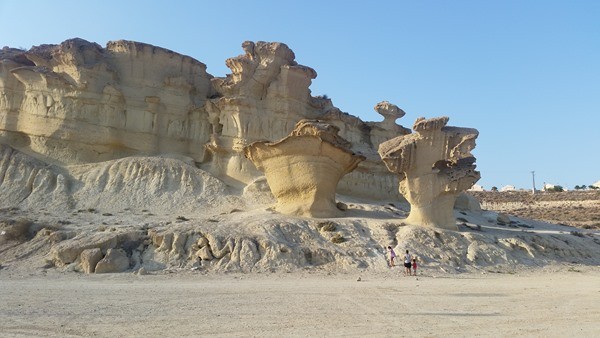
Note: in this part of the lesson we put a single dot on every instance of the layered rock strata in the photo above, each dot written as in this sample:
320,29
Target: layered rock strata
78,103
434,165
304,168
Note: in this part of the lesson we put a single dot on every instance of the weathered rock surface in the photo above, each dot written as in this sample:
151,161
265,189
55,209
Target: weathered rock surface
79,103
503,219
467,202
435,164
136,150
67,251
28,182
89,258
304,168
115,260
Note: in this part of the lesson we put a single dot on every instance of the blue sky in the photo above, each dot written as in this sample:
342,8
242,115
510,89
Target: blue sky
526,74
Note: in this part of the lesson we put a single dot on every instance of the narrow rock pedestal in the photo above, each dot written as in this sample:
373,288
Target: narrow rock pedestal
435,165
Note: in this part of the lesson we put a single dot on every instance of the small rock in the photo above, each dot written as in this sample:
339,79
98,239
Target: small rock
359,279
341,206
142,271
503,219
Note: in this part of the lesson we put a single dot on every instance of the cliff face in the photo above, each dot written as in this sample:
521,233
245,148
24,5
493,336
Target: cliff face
78,103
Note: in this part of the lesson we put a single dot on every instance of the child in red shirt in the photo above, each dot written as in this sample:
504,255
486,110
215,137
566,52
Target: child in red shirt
414,266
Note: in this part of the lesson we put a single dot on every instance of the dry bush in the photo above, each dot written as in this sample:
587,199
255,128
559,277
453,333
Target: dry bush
338,238
16,230
327,226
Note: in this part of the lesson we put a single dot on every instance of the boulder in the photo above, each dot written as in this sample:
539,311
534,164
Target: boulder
89,258
116,260
503,219
68,251
466,202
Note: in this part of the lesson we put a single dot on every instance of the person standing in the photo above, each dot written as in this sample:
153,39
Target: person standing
414,266
407,263
392,256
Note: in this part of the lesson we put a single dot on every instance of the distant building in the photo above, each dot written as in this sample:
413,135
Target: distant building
548,186
597,184
476,187
508,188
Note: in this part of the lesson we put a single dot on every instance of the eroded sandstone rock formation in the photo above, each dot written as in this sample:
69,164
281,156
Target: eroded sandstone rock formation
304,168
434,164
78,103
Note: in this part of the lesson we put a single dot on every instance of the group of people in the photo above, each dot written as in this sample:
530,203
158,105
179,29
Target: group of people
409,262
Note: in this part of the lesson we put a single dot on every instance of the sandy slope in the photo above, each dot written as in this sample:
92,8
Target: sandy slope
547,302
196,236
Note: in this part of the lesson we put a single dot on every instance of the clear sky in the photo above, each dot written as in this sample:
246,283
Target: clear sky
526,74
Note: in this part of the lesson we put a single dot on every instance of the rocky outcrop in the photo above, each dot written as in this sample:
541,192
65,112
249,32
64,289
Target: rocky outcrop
263,99
115,261
434,164
303,169
68,251
78,103
89,258
28,182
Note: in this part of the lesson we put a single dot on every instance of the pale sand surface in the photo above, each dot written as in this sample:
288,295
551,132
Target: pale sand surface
556,303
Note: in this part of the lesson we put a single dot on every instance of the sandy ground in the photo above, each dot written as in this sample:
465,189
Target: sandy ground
554,303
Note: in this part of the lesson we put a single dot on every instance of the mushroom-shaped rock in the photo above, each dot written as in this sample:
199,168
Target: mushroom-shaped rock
435,165
386,129
389,111
304,168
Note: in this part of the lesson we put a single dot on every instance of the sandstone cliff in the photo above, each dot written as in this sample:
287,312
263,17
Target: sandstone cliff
77,103
130,157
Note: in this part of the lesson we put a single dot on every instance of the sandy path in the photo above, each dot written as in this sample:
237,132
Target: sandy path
534,304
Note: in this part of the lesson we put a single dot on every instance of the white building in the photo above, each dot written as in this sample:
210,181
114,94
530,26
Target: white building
508,188
548,186
476,187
